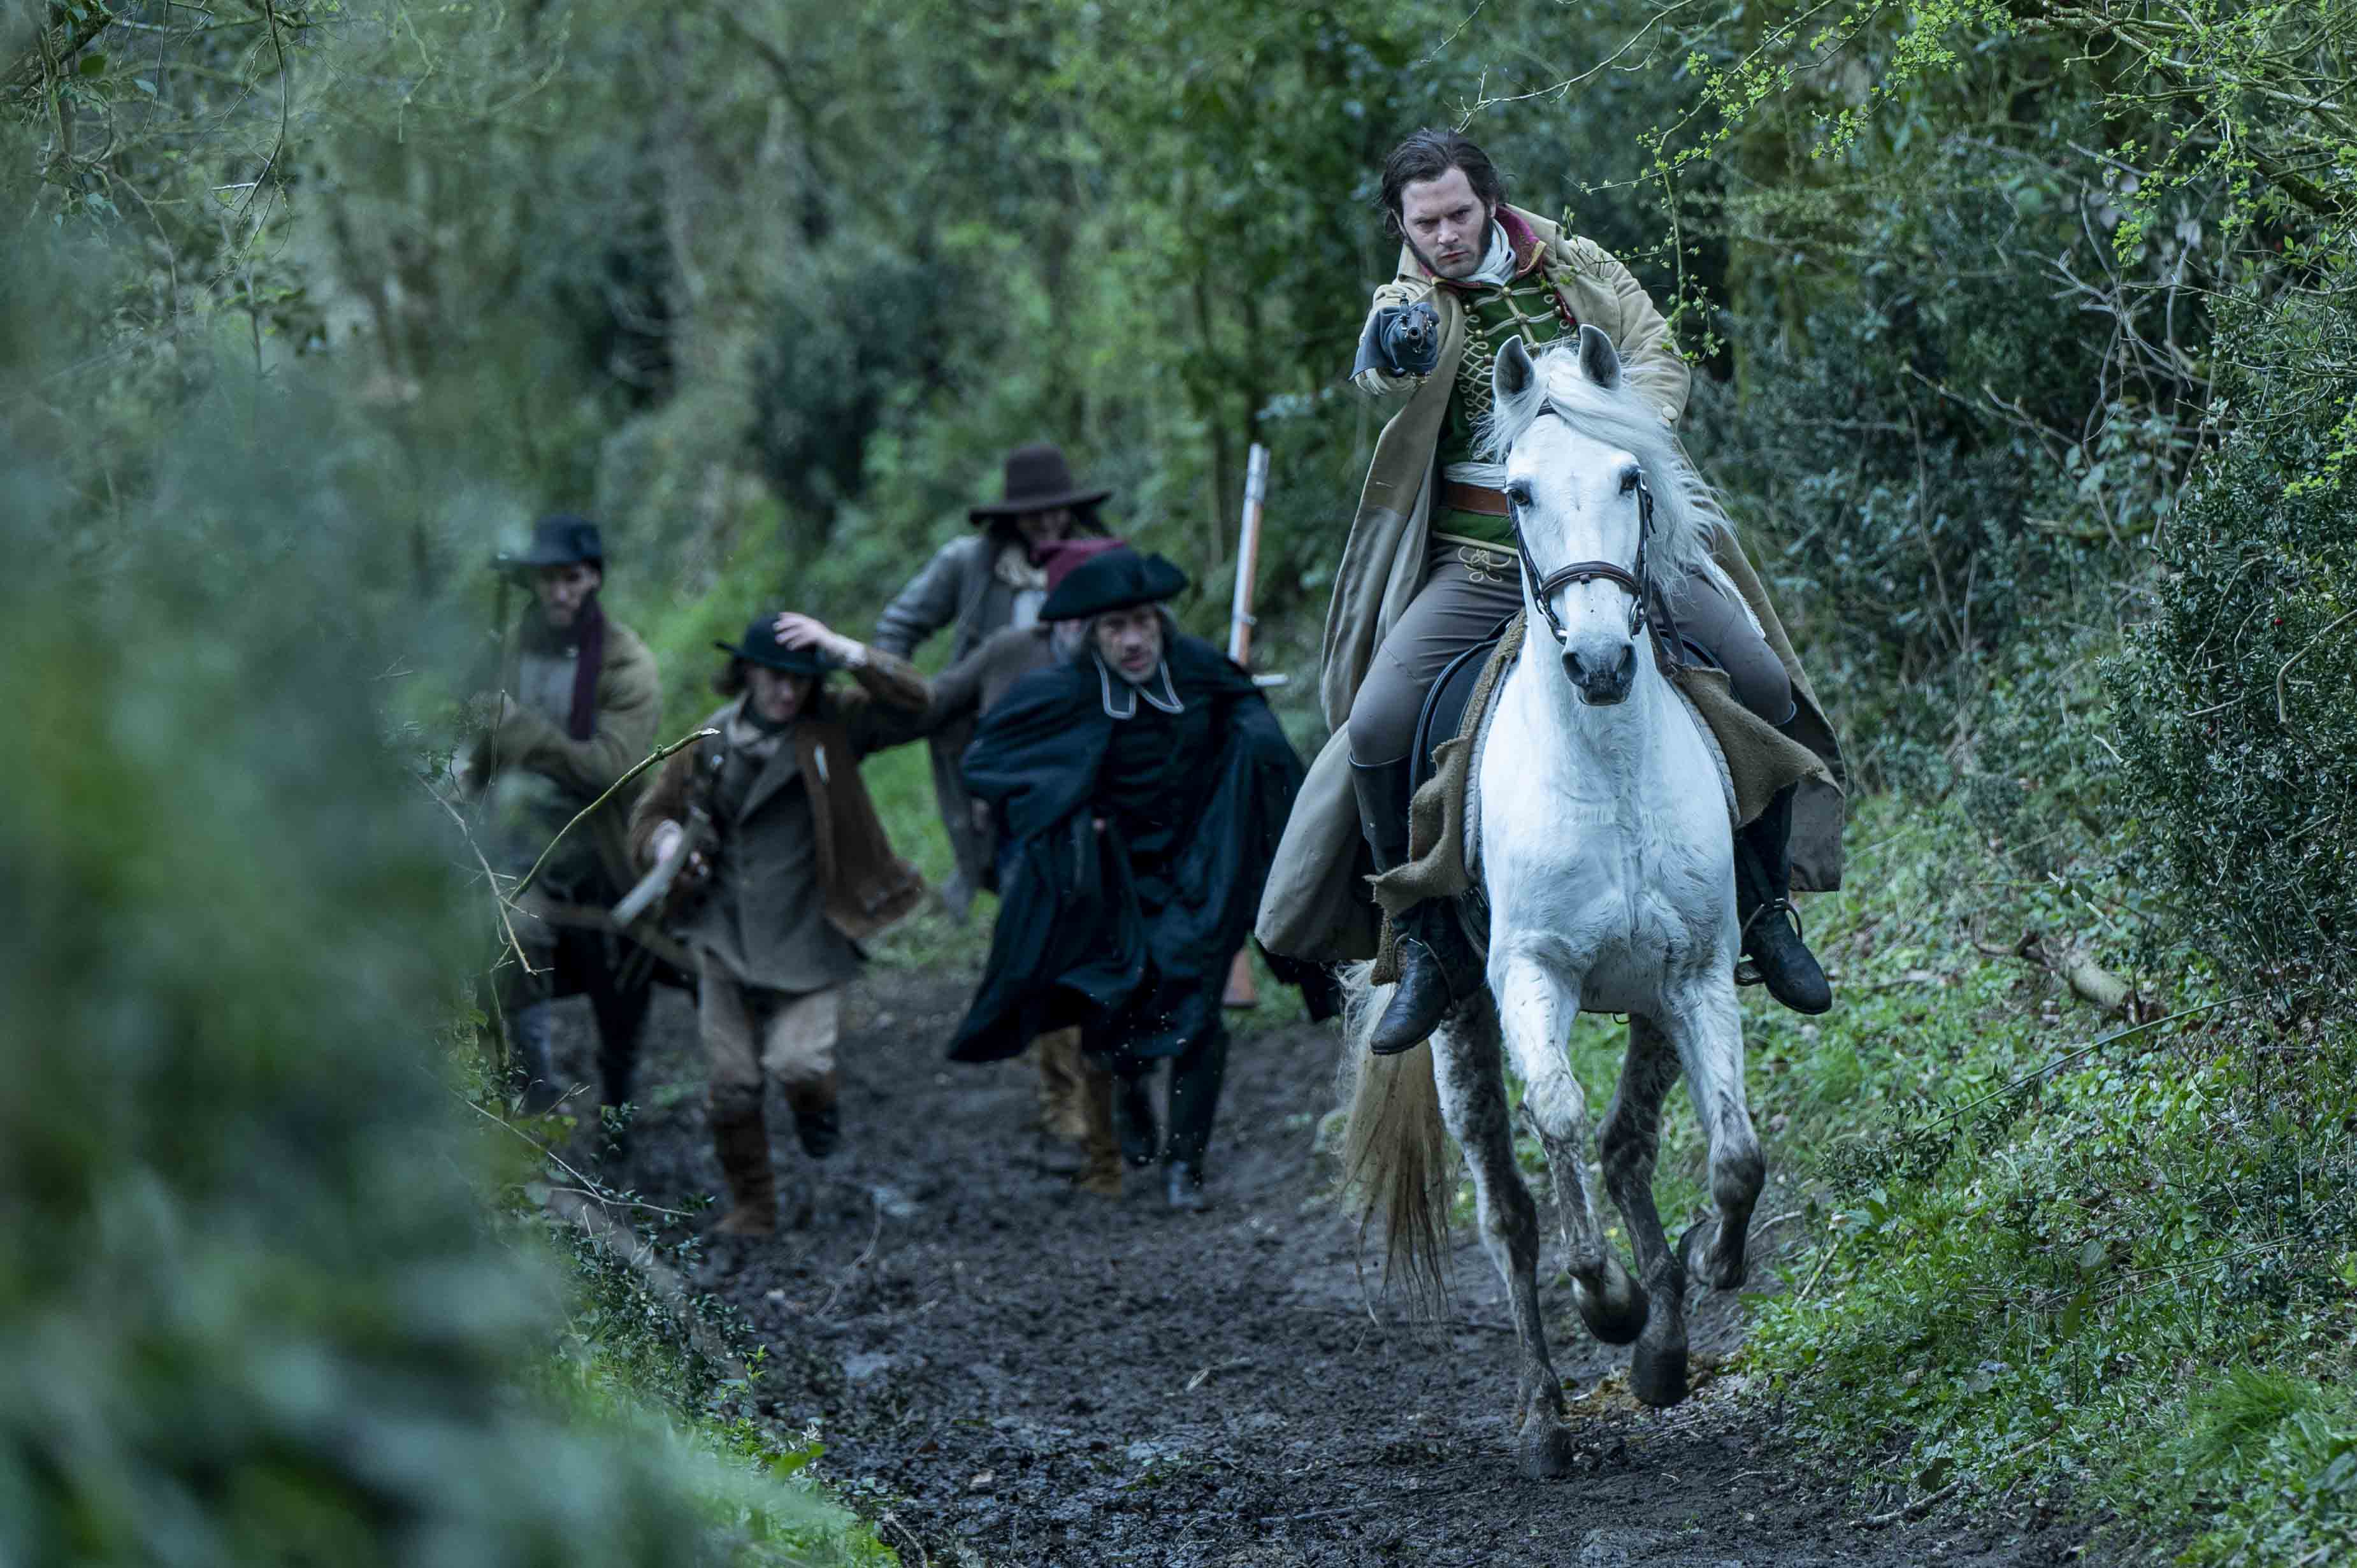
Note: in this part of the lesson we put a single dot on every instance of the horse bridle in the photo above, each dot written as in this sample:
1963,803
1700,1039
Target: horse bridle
1639,582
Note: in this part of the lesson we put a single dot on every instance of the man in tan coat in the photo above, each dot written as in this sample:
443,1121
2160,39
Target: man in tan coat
994,579
795,870
578,704
1431,570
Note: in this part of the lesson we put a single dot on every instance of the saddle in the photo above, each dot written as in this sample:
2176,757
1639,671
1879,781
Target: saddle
1445,802
1442,718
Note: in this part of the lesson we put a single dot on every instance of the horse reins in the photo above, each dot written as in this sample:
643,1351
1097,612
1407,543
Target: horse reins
1639,582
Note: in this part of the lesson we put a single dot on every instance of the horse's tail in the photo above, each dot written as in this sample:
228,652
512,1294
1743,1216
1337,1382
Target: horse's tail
1394,1148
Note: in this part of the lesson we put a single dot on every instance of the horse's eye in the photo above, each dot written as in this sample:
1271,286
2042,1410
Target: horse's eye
1518,495
1629,479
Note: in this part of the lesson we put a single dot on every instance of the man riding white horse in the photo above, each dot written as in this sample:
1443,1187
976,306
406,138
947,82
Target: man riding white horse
1432,569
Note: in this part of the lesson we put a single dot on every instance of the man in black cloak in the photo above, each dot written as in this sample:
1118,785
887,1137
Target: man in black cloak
1139,788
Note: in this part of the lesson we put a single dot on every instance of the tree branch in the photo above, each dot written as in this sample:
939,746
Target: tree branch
33,68
583,815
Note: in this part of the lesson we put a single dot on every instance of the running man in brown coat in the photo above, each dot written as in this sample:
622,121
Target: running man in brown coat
796,870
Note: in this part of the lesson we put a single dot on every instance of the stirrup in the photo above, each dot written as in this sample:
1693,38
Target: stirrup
1747,968
1775,906
1454,980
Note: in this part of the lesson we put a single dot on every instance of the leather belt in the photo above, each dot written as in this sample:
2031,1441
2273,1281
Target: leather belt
1478,500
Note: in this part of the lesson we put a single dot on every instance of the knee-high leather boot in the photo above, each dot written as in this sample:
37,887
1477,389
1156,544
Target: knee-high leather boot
1195,1080
818,1114
1436,962
530,1028
1763,886
1101,1174
740,1136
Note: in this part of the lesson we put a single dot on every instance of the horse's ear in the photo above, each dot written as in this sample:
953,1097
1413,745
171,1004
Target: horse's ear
1514,380
1599,361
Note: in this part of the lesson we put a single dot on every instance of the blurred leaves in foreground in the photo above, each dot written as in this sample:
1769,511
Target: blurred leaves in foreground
259,1304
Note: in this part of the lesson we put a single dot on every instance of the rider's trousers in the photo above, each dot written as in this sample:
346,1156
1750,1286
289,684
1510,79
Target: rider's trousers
1469,590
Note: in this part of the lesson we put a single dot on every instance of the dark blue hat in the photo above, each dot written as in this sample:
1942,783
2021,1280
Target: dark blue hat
1114,580
562,539
761,647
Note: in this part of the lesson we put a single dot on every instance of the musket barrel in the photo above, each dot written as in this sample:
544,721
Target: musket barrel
1240,616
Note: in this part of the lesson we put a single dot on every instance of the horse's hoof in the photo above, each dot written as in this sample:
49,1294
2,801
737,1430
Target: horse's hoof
1614,1315
1543,1450
1657,1374
1705,1268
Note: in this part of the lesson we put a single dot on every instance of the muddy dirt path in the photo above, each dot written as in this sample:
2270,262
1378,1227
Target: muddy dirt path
1036,1378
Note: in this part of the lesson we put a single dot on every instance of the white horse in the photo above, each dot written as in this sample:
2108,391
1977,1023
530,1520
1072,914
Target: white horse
1603,846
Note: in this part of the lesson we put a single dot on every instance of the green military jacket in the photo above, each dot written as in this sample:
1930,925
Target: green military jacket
1314,906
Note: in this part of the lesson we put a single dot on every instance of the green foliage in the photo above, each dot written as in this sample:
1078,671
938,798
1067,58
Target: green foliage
261,1305
2238,698
364,287
2055,1247
2278,1456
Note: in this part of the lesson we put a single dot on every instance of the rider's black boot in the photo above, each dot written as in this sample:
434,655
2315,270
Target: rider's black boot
1436,967
530,1029
1763,885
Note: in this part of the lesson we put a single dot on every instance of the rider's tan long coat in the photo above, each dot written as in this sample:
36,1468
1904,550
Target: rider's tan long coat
1313,908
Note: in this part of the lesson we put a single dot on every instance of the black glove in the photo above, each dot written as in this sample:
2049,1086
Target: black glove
1401,341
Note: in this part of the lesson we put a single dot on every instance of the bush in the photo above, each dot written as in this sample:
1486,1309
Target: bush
259,1305
2053,1252
2237,700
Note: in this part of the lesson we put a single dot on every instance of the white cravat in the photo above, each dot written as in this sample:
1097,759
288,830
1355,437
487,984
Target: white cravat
1497,261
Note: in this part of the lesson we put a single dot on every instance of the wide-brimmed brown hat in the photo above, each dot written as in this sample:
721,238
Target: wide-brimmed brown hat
1037,479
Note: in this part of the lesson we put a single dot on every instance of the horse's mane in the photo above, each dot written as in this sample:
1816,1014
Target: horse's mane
1685,508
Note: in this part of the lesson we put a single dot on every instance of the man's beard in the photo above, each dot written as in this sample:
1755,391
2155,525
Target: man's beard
1472,265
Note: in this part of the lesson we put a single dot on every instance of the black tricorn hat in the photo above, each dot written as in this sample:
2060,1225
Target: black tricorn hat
560,540
761,647
1115,580
1037,479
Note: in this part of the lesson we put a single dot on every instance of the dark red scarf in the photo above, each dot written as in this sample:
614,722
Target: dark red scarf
587,635
590,628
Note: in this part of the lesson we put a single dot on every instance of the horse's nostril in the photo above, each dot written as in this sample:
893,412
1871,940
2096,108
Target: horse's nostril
1628,671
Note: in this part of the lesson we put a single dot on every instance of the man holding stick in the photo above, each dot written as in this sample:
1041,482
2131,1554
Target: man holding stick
577,702
798,873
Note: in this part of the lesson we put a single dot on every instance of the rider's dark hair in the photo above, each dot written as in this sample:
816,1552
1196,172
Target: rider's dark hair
1430,154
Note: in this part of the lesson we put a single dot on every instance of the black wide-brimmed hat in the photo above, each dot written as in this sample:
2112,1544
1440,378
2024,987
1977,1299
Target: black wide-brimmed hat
761,647
1114,580
1037,479
561,540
